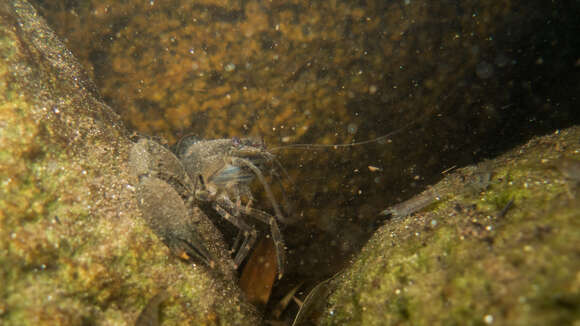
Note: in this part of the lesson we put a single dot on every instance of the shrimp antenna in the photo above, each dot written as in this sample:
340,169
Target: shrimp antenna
374,140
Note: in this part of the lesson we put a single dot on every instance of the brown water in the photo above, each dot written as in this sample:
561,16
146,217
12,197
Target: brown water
476,78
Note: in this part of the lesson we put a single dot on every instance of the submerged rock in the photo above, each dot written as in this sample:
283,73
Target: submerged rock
502,254
73,247
476,78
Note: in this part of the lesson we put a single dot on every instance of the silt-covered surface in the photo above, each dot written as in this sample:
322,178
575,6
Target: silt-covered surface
464,80
499,246
73,247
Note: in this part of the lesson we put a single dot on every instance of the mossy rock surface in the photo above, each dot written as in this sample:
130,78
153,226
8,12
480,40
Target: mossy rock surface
502,251
465,80
73,248
468,80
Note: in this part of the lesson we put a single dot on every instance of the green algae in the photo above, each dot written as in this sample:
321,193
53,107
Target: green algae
312,72
462,263
215,102
73,248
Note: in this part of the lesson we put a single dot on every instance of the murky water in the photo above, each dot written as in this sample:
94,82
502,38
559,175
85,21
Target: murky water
464,80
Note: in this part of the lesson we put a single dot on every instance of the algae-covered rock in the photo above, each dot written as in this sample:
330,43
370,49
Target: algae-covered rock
73,248
501,250
476,77
465,80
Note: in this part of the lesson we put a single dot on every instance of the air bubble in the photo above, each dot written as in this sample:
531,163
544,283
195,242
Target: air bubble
488,319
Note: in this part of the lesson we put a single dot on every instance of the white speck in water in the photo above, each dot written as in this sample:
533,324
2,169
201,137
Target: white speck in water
192,51
433,223
489,228
151,2
488,319
407,2
230,67
373,89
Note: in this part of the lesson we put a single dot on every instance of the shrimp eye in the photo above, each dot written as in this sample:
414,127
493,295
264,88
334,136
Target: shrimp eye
236,141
